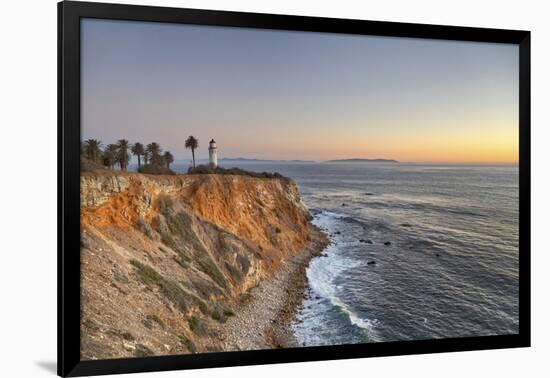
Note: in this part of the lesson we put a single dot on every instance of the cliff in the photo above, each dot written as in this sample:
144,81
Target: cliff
166,260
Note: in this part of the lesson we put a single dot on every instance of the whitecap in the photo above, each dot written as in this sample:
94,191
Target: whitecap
321,275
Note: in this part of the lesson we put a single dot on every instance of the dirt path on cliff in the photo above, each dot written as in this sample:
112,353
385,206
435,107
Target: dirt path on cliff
263,320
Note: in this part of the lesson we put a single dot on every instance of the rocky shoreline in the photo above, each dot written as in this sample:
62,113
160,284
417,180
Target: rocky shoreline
266,311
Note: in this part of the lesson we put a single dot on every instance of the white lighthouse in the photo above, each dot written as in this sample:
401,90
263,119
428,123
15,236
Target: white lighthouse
213,154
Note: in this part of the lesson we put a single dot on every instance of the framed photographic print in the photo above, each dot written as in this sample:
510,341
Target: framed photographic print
239,188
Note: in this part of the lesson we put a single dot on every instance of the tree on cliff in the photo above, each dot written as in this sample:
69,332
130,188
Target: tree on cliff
168,159
146,156
154,151
92,150
109,156
192,143
122,155
139,151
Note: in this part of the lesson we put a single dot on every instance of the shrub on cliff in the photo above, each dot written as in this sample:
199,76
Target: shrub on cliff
87,165
197,326
146,228
188,343
155,169
171,289
205,169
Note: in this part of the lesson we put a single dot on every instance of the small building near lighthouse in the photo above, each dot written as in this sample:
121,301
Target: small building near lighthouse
212,154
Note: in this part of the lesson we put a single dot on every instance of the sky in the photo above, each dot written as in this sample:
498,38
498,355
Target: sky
271,94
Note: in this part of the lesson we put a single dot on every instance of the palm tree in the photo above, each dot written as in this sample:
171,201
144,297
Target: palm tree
123,156
192,143
110,155
154,151
92,149
168,159
146,157
139,151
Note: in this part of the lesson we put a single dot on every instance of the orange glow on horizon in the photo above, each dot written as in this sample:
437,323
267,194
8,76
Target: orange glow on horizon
483,145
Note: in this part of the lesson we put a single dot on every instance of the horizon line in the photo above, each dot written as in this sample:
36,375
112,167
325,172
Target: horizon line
371,160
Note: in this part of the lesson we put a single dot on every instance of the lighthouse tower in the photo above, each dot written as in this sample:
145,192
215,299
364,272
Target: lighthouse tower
213,154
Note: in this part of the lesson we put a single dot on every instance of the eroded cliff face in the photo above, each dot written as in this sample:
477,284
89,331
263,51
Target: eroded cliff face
166,260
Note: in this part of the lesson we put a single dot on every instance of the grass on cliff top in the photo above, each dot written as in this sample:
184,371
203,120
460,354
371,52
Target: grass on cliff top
205,169
87,165
152,169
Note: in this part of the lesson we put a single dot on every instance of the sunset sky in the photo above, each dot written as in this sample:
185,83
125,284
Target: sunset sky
296,95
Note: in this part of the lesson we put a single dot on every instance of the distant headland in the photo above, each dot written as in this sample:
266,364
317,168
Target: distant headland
242,159
362,161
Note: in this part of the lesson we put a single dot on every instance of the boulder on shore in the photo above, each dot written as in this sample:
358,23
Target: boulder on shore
367,241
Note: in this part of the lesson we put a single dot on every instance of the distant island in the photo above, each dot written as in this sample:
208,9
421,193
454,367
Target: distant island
362,161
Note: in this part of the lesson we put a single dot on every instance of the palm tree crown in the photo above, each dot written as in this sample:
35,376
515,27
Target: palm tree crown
168,158
139,151
109,155
92,149
193,144
154,151
123,157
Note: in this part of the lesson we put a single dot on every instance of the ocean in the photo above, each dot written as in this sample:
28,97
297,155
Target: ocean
417,251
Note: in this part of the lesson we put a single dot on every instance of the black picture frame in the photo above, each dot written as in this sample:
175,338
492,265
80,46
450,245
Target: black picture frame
69,15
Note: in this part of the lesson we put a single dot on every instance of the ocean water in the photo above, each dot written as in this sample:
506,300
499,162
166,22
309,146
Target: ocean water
417,251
